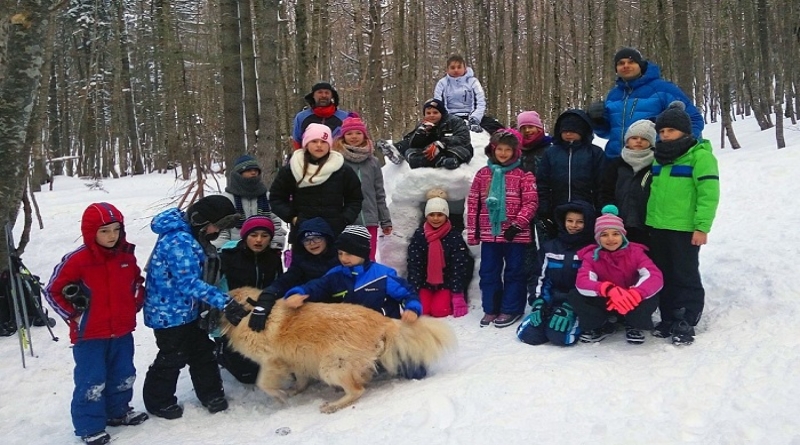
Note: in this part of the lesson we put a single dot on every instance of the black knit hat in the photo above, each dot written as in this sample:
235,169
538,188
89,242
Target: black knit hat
322,86
244,163
628,53
675,117
355,241
435,103
214,209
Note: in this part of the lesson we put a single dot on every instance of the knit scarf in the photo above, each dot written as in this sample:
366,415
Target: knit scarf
529,143
333,164
496,200
638,159
238,185
324,112
263,208
436,251
357,155
668,151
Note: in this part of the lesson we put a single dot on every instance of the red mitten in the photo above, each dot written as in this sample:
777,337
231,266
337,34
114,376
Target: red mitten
605,287
431,151
621,300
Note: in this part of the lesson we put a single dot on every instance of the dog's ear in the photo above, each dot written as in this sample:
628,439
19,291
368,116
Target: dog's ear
242,294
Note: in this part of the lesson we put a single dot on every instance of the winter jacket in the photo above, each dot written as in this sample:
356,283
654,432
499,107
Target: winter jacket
521,204
250,208
532,156
372,285
243,267
374,211
462,96
684,195
336,199
456,262
109,277
627,267
451,131
175,274
560,260
307,116
642,98
569,172
627,190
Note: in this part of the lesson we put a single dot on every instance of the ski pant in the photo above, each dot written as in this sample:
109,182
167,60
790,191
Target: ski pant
502,273
177,347
592,312
104,376
683,295
436,303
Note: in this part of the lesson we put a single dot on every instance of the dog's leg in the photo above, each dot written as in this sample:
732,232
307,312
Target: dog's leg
347,374
300,384
271,377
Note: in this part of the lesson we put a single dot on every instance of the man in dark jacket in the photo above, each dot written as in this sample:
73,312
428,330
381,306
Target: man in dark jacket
323,108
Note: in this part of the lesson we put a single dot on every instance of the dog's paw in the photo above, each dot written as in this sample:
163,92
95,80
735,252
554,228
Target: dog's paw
279,395
329,408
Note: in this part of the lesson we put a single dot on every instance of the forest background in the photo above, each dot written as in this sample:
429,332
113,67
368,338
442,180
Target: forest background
108,88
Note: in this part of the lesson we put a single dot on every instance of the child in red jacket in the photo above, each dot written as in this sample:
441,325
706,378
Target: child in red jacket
97,289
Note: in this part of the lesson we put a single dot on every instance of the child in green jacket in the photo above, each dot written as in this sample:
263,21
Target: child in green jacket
683,201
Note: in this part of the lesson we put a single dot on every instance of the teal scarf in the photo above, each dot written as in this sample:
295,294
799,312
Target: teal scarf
496,201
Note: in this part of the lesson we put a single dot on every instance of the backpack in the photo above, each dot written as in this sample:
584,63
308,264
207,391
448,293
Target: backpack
30,292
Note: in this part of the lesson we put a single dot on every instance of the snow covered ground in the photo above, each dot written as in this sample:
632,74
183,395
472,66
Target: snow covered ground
737,384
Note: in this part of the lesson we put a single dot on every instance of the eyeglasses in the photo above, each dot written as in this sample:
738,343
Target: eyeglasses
313,240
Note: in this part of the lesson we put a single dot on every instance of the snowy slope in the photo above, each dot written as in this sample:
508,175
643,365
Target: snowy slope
736,385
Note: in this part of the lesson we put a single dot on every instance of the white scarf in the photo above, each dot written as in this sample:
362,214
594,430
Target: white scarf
335,162
638,159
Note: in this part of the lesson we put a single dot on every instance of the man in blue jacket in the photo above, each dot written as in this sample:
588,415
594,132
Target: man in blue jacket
640,93
323,108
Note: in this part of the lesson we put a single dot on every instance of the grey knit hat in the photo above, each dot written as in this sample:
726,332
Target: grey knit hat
675,117
644,129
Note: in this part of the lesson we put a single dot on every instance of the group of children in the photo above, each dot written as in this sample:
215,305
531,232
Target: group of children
532,209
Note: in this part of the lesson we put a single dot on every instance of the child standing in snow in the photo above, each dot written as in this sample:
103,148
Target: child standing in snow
616,278
356,147
552,317
501,203
439,264
98,289
682,205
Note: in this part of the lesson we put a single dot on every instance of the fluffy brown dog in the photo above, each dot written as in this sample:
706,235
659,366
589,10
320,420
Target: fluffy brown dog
340,344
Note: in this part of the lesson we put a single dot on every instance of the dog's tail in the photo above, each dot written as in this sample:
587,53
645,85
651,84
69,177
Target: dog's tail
421,343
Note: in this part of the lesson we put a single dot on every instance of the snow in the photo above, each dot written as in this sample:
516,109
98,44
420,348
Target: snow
736,385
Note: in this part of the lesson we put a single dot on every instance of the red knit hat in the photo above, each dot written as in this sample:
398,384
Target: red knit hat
257,222
353,122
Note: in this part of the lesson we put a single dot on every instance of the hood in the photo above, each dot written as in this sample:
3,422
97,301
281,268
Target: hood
465,78
170,220
589,216
97,215
316,225
586,136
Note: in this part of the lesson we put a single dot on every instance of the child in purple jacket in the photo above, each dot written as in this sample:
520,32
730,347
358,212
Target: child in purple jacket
616,278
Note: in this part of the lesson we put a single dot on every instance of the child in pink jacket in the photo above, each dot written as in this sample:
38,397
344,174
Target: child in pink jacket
501,203
616,278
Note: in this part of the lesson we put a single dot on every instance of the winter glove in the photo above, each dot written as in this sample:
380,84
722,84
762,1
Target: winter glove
209,319
621,300
605,287
448,163
475,125
431,151
512,231
234,312
536,312
258,319
596,112
547,227
77,295
563,318
460,307
425,127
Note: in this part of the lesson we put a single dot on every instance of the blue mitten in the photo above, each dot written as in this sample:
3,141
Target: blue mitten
563,318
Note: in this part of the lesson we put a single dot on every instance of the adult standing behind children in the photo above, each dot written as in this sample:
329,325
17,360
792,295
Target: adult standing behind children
640,93
323,108
101,316
316,182
356,147
440,140
182,273
248,193
682,206
626,180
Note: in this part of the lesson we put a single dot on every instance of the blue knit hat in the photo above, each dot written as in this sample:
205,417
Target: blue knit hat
244,163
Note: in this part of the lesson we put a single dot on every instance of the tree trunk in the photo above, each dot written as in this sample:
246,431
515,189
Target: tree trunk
233,111
249,76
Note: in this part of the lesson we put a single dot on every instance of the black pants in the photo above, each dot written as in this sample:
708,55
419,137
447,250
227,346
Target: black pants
676,257
592,312
177,347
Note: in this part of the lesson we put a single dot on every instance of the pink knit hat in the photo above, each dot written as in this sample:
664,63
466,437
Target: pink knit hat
316,131
529,118
257,222
353,122
609,220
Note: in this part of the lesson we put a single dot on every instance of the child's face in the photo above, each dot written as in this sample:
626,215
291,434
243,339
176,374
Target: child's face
432,115
637,143
436,219
349,260
251,173
354,138
258,240
610,239
670,134
456,69
573,222
570,136
108,235
627,69
503,153
318,148
529,131
315,245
